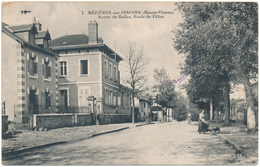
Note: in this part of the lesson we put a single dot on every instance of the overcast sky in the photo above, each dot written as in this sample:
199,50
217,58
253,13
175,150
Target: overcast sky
154,34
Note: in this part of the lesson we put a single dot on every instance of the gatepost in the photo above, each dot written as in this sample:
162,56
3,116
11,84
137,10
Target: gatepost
99,118
91,100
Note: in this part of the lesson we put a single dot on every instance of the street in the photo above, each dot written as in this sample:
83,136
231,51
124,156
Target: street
174,143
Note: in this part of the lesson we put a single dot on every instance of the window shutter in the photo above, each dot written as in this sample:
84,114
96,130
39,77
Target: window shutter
48,71
30,66
43,69
35,68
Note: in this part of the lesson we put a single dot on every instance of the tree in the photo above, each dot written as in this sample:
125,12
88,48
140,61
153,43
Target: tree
245,49
136,64
204,91
164,89
220,39
181,112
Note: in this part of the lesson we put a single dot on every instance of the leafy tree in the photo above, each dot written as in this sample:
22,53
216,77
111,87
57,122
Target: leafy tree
181,112
194,111
136,64
220,41
164,89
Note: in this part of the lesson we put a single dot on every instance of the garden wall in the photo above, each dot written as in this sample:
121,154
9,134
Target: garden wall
115,118
52,121
82,119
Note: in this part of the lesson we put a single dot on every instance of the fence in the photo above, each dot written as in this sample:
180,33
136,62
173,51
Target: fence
42,109
24,120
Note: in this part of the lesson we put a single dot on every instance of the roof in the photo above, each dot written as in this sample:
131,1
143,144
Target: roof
43,34
67,40
78,41
23,42
145,99
22,28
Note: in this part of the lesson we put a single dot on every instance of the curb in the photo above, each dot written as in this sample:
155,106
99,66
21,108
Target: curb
238,149
21,150
111,131
144,124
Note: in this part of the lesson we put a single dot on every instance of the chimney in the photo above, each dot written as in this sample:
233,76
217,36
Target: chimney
39,26
93,32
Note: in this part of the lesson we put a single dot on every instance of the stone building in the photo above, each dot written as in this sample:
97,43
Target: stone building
88,67
28,72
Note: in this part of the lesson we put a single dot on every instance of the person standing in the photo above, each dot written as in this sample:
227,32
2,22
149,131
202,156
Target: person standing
189,118
203,125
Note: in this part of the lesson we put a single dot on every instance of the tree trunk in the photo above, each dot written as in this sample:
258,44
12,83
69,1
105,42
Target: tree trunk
211,111
251,123
133,110
227,101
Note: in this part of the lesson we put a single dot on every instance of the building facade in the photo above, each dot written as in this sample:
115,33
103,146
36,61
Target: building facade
88,67
29,72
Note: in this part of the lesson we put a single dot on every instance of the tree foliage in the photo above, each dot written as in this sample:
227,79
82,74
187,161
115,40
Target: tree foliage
164,89
220,43
180,111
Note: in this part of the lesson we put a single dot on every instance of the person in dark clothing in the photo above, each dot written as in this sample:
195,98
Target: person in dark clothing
203,125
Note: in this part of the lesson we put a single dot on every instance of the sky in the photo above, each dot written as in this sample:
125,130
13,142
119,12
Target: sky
153,34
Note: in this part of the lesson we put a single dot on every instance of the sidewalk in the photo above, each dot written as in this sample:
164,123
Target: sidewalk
245,145
26,140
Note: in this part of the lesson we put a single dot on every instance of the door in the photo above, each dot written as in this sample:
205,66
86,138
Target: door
63,101
33,102
82,98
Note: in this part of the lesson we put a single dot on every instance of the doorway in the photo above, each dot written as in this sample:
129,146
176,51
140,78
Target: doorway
63,101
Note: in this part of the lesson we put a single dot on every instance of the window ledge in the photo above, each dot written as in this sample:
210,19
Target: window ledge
33,76
47,79
63,76
83,75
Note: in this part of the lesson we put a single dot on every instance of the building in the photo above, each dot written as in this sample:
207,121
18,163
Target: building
28,72
88,67
143,105
144,108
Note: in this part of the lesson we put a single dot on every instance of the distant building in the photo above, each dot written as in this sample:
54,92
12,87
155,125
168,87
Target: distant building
88,67
143,104
28,72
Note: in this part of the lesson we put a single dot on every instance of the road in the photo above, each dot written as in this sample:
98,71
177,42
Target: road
175,143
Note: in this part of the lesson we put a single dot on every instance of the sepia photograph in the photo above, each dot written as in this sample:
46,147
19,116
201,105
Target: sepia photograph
129,83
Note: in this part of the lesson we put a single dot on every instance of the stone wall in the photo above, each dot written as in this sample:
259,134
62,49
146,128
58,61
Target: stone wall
82,119
52,121
4,123
114,118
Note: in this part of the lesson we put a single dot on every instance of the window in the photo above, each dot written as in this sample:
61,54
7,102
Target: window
32,65
46,70
144,104
106,69
115,71
83,67
110,71
47,100
115,99
63,68
109,98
